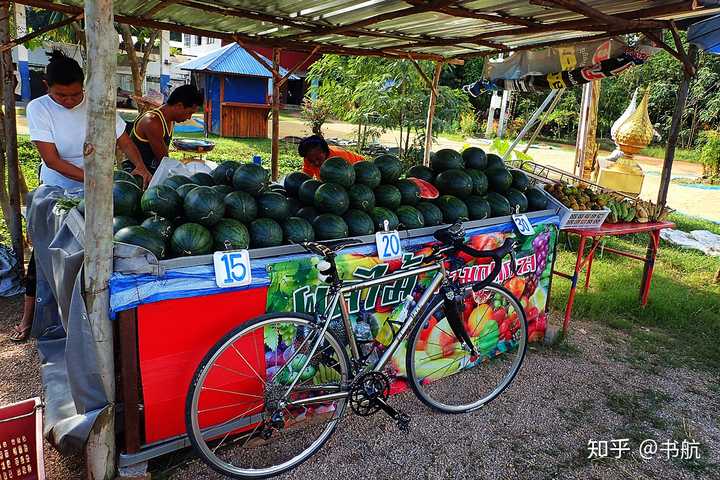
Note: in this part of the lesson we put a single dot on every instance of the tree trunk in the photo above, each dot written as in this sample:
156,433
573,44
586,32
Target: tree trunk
133,60
99,157
147,51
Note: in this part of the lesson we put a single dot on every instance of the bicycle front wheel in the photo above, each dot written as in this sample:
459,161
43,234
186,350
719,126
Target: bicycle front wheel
441,369
244,417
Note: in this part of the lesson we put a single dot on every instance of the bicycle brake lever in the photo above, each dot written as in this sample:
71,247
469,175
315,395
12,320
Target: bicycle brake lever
513,262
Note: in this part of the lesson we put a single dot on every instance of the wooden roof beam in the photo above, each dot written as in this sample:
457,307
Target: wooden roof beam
462,12
36,33
582,8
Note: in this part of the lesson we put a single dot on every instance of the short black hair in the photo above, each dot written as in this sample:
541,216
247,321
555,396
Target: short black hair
63,70
188,95
311,143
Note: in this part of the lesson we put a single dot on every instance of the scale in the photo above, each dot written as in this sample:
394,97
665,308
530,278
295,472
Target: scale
193,149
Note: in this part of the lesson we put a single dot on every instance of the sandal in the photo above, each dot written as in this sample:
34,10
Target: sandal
19,335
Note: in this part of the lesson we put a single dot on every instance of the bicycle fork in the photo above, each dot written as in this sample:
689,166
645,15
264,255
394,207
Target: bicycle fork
454,307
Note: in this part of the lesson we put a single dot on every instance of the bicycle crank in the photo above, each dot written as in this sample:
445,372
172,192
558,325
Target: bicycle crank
369,394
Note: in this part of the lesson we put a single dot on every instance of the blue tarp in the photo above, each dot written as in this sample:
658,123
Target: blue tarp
706,34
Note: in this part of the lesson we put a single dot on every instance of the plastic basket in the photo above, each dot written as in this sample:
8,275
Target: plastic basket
21,441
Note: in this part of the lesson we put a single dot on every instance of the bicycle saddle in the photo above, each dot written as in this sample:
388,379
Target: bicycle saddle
450,235
329,247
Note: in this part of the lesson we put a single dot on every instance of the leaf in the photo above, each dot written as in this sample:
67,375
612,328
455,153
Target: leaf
272,337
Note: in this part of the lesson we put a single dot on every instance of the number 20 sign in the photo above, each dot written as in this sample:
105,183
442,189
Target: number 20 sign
232,269
388,245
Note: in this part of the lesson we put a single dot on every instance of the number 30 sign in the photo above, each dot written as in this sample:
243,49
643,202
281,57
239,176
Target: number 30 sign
232,269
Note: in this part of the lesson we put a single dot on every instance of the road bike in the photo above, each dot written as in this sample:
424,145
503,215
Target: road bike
269,394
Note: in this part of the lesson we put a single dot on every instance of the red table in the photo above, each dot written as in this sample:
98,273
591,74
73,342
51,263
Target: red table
612,230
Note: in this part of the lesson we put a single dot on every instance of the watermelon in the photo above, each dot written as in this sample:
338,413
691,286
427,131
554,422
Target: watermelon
499,179
446,159
431,214
123,175
409,192
422,172
241,206
126,198
454,182
387,196
204,205
293,181
183,189
520,180
161,226
474,157
536,199
478,207
298,230
337,170
306,192
191,239
331,198
223,173
308,213
277,188
161,200
517,200
480,181
142,237
174,181
390,168
223,189
329,226
265,232
410,217
293,206
359,223
367,173
361,197
494,161
427,190
122,221
273,205
380,214
229,234
203,179
453,209
499,206
81,207
250,178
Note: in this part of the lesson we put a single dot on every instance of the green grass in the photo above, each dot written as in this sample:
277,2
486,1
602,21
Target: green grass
685,155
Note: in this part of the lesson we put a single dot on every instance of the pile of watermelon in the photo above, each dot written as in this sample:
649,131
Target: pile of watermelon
236,206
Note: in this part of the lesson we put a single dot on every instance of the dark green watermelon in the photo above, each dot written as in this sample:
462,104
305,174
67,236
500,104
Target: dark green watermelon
387,196
422,172
475,157
277,188
160,225
241,206
81,207
520,180
410,217
390,168
203,179
273,205
359,223
337,170
432,215
191,239
265,232
293,181
123,175
331,198
367,173
453,209
250,178
161,200
293,206
536,199
478,207
204,205
306,192
409,192
446,159
308,213
494,161
499,179
480,181
229,234
142,237
329,226
454,182
517,200
223,189
174,181
361,197
380,214
223,173
183,189
298,230
499,206
126,198
122,222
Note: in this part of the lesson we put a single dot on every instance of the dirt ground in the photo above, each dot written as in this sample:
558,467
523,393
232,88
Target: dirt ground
593,387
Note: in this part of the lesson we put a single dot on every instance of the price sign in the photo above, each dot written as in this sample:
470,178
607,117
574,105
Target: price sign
388,245
232,269
523,224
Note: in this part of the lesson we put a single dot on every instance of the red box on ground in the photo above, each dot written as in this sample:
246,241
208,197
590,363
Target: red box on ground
21,441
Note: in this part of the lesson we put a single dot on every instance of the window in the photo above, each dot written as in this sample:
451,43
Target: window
198,40
210,41
187,39
175,36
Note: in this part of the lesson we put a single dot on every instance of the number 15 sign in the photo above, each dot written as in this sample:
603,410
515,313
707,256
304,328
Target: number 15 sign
232,269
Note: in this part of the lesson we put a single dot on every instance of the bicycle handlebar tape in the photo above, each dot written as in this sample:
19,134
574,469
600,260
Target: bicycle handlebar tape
325,271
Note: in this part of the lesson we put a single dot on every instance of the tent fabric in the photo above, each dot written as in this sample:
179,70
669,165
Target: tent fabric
706,34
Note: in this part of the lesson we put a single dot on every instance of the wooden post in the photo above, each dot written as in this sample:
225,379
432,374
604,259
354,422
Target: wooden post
275,160
14,223
99,149
431,114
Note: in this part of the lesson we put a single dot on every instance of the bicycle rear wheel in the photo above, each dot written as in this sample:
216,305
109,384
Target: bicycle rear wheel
240,417
440,368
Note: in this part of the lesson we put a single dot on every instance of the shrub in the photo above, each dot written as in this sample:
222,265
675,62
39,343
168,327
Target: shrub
710,154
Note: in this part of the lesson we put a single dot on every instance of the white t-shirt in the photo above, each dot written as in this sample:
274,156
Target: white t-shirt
66,128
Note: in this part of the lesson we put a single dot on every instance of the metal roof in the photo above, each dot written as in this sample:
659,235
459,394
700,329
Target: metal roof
232,59
430,29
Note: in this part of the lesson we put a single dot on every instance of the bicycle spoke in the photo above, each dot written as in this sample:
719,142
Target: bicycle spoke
213,389
248,364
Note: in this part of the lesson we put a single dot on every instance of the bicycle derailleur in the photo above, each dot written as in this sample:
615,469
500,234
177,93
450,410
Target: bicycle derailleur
368,395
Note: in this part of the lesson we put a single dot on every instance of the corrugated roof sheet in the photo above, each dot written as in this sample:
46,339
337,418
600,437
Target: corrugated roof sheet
232,59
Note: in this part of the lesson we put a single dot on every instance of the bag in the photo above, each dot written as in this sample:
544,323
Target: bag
10,283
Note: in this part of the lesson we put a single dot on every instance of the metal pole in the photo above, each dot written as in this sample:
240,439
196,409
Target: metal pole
530,123
503,112
275,160
544,120
102,49
431,114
